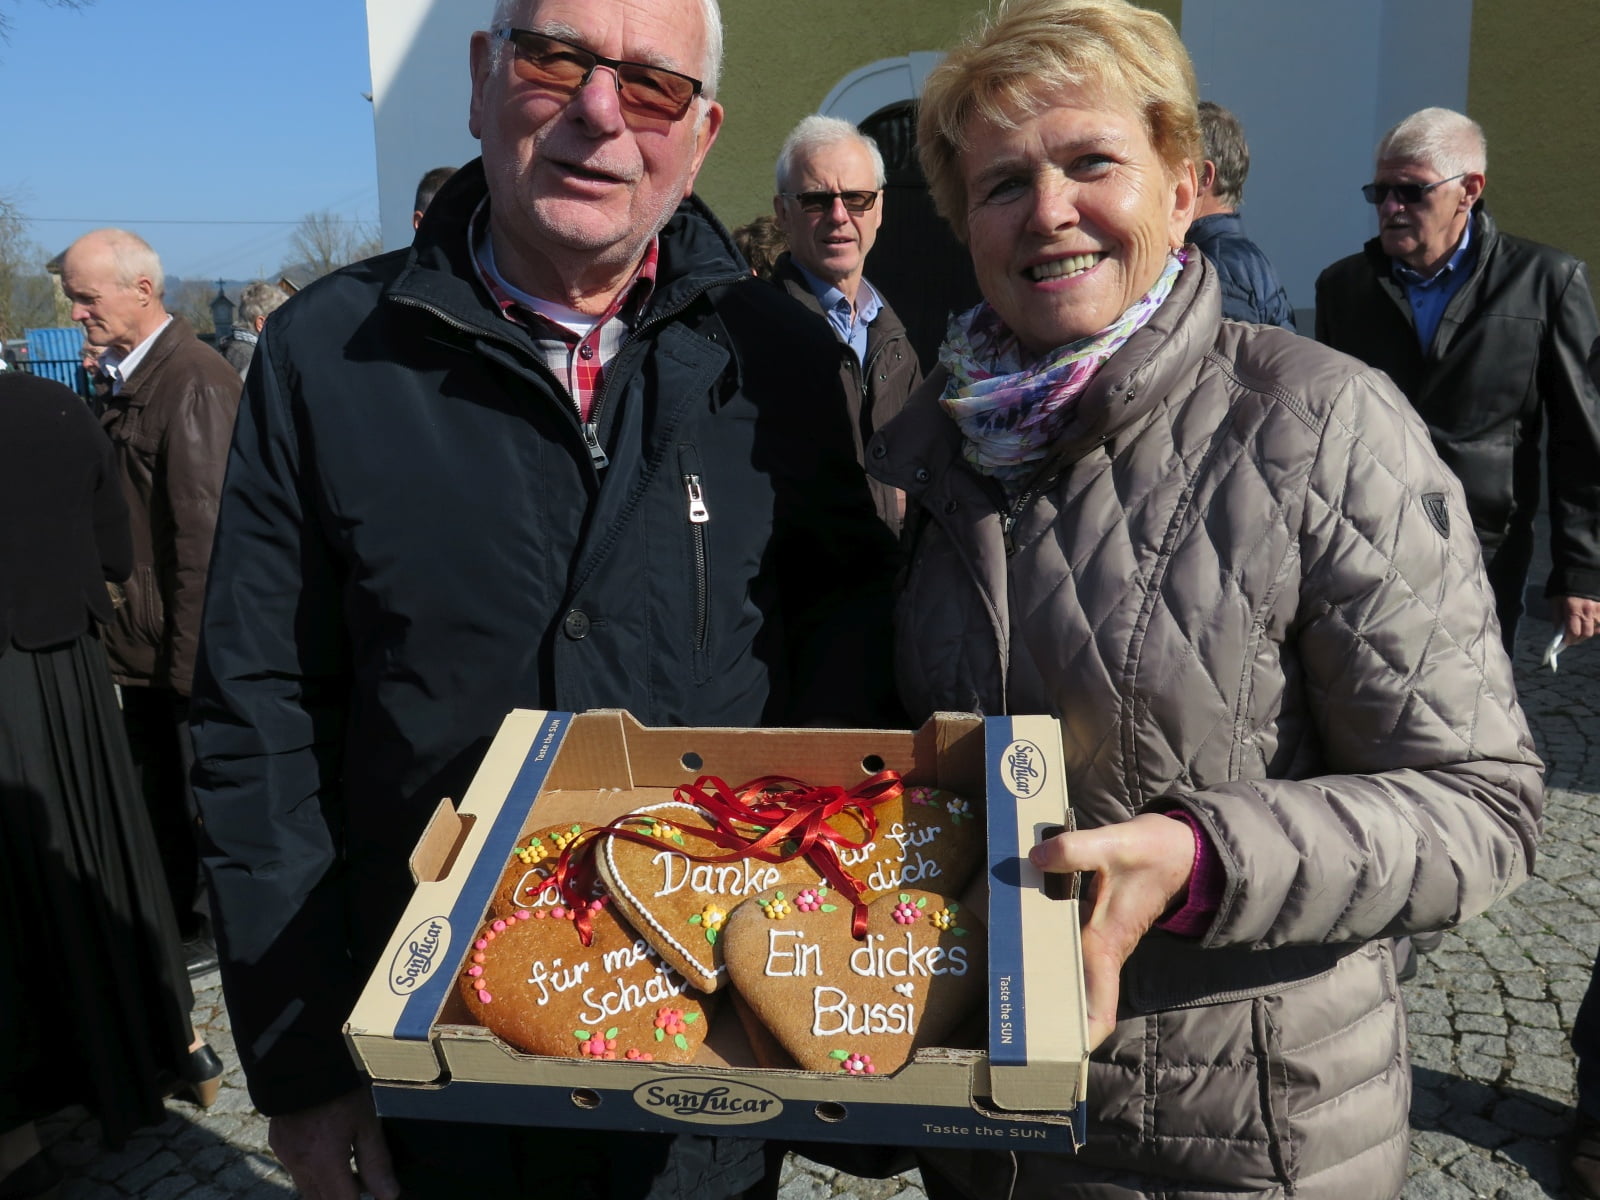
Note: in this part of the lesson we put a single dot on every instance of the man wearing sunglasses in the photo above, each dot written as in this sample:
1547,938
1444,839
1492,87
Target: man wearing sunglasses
561,452
829,205
1487,335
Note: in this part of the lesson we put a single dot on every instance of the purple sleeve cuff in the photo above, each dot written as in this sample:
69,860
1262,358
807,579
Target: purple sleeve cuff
1204,894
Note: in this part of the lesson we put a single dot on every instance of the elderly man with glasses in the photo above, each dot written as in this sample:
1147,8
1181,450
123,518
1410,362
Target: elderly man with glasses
1486,334
561,452
829,205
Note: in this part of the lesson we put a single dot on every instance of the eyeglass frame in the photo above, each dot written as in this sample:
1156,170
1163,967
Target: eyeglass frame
509,34
1376,193
826,200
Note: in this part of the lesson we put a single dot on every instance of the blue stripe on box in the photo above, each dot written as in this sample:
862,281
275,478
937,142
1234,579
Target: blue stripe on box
1008,1038
416,1020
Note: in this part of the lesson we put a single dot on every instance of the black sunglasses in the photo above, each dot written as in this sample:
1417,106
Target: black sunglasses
816,202
565,68
1405,193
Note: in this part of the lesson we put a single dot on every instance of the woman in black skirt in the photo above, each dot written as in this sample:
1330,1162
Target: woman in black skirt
94,995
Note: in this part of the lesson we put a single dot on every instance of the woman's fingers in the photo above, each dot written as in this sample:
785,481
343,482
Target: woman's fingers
1139,867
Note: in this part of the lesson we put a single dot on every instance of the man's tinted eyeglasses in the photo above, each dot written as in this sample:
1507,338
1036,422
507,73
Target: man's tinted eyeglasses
816,202
1405,193
565,68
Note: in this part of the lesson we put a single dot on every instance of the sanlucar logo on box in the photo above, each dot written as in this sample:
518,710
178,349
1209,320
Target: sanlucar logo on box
703,1103
421,948
1022,768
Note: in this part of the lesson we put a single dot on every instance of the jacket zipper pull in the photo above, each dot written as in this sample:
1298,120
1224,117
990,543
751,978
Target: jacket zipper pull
698,514
591,440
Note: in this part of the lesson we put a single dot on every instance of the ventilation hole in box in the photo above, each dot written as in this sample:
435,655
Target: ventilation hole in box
692,761
585,1098
831,1113
872,764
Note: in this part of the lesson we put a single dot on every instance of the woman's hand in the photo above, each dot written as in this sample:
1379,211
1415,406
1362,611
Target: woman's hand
1138,868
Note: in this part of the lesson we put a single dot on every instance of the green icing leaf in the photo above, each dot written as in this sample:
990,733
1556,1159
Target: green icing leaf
841,1055
611,1033
922,903
681,1042
959,932
695,920
904,899
661,1035
690,1018
711,936
830,908
582,1035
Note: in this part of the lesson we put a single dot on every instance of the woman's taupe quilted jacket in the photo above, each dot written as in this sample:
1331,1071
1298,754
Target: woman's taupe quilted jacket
1247,585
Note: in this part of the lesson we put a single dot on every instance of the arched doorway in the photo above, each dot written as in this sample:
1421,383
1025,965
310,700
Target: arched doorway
917,262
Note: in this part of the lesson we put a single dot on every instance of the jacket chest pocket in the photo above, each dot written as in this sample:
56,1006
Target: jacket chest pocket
696,517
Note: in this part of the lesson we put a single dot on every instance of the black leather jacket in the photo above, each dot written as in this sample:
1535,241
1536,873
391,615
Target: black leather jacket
1509,356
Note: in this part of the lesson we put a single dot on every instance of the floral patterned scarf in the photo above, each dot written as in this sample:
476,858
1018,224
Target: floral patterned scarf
1011,410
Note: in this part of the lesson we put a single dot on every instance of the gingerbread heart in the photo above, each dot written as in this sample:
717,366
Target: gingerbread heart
531,981
926,837
860,1007
524,884
677,904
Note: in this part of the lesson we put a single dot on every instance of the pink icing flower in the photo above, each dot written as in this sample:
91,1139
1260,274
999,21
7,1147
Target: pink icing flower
670,1020
920,795
858,1064
906,913
808,900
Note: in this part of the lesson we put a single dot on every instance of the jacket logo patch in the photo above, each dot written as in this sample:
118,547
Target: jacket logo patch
1438,510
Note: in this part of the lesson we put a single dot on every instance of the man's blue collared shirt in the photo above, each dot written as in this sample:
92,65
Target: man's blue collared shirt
849,324
1430,297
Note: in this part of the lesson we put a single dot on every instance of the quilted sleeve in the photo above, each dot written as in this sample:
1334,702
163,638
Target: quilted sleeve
1430,810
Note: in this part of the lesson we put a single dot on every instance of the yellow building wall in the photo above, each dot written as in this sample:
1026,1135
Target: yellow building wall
781,60
1534,86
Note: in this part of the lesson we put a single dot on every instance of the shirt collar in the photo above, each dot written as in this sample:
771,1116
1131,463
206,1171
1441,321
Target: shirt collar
120,369
831,298
513,303
1413,278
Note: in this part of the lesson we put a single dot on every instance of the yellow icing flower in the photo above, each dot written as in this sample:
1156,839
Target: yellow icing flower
712,917
776,908
942,919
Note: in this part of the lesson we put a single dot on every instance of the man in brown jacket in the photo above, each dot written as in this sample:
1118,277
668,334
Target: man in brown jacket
170,417
829,204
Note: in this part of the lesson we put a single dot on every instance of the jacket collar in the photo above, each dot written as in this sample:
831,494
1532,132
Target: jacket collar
136,392
885,325
915,450
1485,236
438,275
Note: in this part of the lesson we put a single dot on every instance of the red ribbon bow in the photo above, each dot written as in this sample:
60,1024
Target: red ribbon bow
775,818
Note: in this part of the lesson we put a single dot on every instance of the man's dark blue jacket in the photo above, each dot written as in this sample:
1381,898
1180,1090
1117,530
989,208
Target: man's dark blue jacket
414,540
1250,288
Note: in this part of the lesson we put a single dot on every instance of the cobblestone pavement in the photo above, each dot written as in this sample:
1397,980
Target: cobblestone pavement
1489,1011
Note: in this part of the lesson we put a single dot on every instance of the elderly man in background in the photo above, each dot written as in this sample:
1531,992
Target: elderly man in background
562,452
169,413
829,205
257,302
1250,288
1486,334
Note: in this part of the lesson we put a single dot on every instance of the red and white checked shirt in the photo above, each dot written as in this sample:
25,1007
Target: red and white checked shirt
580,361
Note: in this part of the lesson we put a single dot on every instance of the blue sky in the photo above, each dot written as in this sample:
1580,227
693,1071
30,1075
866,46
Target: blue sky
130,112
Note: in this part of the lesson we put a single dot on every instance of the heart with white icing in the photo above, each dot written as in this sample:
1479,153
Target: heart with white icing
857,1007
530,980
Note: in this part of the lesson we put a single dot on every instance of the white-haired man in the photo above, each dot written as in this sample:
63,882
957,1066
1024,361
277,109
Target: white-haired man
562,452
829,205
257,302
169,413
1487,335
